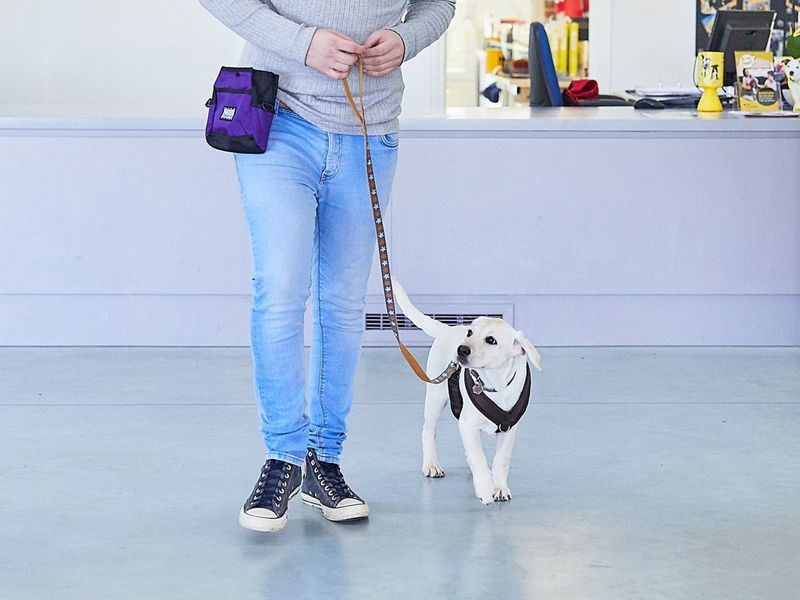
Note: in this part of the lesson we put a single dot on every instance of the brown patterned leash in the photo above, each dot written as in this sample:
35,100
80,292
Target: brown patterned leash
388,293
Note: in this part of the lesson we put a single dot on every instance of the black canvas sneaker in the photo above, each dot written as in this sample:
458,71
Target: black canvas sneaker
324,488
265,509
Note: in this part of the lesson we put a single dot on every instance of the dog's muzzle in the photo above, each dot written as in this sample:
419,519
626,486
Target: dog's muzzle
463,352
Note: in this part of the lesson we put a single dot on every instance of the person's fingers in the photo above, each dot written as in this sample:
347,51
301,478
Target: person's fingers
381,62
333,73
372,63
346,58
341,65
381,70
380,49
374,38
345,44
378,66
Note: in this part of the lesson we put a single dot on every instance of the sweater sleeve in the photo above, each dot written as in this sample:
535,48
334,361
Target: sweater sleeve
424,23
258,23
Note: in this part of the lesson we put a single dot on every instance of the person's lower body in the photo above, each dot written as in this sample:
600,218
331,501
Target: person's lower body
312,233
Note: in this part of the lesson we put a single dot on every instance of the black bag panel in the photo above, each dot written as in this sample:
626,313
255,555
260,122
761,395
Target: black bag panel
244,144
265,86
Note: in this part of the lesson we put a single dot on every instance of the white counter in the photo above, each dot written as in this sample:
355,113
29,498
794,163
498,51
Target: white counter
476,121
584,226
596,120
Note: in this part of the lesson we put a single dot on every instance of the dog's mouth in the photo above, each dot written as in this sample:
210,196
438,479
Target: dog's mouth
464,362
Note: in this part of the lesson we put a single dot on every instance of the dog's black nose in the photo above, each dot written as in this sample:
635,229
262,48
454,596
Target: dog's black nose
463,350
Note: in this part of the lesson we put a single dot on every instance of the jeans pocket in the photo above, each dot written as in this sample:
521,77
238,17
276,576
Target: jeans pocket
390,140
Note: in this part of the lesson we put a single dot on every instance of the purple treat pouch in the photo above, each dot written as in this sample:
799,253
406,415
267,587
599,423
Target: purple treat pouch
241,109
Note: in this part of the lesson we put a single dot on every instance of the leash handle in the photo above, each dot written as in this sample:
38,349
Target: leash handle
388,292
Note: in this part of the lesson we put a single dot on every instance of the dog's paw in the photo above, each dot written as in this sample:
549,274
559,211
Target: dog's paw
502,494
486,499
434,470
485,492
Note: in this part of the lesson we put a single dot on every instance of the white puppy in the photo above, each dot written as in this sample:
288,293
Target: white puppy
498,353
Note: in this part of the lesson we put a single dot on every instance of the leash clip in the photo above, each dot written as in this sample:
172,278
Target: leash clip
479,387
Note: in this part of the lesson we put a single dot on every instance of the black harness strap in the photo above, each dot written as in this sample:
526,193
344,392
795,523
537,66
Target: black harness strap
504,419
456,401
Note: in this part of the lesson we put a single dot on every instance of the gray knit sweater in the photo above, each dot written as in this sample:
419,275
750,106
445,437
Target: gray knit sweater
278,33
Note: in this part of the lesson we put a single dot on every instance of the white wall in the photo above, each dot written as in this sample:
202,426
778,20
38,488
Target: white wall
117,58
626,54
110,58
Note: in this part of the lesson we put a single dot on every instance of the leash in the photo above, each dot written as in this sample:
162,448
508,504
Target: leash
388,292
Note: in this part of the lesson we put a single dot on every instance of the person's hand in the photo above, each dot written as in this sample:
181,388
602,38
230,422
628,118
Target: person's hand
384,52
332,53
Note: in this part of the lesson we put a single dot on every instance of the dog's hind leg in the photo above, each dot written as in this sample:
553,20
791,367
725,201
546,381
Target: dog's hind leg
435,400
501,464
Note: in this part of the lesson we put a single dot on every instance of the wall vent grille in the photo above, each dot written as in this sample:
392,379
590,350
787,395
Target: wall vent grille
380,321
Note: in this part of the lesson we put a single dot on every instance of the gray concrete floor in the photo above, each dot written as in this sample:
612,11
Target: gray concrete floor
638,473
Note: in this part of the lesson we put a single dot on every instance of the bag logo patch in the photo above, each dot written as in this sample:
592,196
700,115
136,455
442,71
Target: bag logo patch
227,113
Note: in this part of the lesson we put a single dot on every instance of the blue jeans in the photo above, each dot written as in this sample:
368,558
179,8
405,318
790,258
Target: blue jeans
311,229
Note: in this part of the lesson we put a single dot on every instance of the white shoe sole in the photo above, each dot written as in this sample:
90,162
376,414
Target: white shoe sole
264,524
346,513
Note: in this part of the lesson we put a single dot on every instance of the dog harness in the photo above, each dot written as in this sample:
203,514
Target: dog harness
504,419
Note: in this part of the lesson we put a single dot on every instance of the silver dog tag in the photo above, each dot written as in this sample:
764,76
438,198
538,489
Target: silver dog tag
477,388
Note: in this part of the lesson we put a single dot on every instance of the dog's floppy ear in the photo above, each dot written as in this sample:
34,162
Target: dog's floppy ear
525,347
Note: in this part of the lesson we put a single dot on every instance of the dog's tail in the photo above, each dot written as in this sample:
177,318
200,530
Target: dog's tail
430,326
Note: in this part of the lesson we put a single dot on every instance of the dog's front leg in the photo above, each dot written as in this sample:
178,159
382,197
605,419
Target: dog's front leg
476,459
435,400
501,463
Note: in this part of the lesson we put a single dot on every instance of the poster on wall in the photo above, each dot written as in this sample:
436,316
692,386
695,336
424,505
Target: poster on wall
786,18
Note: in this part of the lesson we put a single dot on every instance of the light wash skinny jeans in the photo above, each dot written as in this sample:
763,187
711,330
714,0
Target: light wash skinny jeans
311,232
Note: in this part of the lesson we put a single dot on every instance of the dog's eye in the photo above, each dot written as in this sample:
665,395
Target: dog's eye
469,332
491,340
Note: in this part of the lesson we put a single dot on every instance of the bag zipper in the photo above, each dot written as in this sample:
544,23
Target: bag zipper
264,105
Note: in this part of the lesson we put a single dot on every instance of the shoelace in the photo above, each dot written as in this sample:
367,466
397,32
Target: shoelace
272,483
334,479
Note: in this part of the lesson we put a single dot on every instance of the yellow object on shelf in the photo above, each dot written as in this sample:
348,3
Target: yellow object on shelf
710,67
493,58
561,67
574,54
